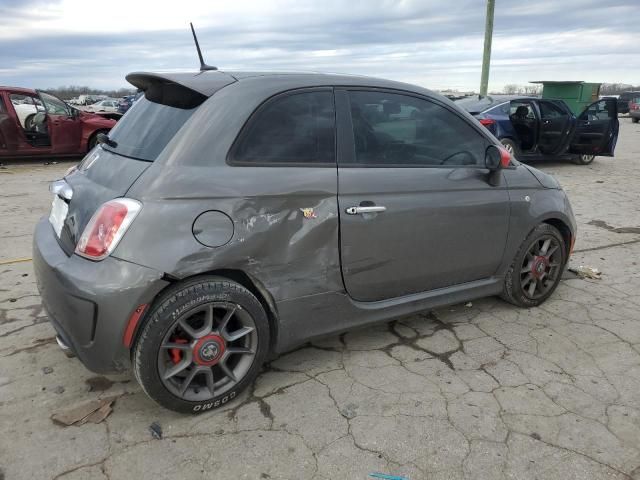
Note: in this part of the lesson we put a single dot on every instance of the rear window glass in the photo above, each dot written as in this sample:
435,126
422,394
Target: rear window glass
146,129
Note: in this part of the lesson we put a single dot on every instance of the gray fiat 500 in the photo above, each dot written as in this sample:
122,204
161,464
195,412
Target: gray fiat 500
229,217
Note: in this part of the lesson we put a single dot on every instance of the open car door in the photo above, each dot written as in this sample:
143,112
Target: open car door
62,124
8,131
597,129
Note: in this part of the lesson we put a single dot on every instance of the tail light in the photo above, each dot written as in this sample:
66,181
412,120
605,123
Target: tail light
487,122
106,228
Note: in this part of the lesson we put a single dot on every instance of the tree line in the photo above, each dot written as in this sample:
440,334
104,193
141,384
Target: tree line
73,91
535,89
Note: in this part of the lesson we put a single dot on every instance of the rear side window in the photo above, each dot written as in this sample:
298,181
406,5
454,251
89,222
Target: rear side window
146,129
521,111
503,109
400,130
296,128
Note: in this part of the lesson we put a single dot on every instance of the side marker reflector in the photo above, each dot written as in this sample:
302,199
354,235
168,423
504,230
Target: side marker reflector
134,319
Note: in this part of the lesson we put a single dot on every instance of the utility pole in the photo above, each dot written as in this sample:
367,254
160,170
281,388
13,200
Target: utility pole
486,57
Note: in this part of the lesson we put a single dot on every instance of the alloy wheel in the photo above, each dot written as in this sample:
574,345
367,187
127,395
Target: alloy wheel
541,267
207,351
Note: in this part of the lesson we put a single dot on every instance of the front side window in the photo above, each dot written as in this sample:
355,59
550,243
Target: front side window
598,111
548,111
54,105
399,130
294,129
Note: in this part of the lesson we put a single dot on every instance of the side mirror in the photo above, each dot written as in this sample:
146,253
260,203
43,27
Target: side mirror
493,158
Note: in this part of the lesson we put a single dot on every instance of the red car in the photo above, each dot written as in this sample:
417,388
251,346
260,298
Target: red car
634,109
35,123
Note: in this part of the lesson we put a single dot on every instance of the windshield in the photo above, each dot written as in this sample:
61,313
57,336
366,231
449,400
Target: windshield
146,129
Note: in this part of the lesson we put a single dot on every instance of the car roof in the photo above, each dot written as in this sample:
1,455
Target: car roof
18,89
209,82
477,104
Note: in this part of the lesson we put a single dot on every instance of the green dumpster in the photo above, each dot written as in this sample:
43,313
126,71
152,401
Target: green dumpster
578,95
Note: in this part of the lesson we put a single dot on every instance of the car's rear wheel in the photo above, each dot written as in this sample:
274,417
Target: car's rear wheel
537,267
202,344
635,119
510,146
583,159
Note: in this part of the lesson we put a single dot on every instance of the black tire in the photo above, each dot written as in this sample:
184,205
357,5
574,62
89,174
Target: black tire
583,159
511,146
163,319
92,141
635,119
514,292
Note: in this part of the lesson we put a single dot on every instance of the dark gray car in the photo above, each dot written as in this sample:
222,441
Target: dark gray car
232,216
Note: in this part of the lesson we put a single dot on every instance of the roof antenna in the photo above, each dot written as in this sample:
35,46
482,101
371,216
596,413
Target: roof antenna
203,66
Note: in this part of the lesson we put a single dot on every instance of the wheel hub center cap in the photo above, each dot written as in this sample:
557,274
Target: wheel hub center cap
539,266
208,350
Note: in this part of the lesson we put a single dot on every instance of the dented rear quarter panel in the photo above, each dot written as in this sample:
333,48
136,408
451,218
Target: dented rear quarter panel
272,241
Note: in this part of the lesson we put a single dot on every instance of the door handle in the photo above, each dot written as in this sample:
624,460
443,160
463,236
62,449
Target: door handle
360,210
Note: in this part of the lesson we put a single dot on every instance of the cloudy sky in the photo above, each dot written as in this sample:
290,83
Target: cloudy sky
433,43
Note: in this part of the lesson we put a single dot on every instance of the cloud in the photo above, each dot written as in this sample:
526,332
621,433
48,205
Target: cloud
435,44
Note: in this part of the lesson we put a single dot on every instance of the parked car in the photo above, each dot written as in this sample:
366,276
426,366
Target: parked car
26,108
624,98
634,109
253,212
34,123
536,128
108,105
125,103
87,99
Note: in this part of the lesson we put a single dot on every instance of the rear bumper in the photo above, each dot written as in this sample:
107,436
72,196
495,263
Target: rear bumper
89,303
634,113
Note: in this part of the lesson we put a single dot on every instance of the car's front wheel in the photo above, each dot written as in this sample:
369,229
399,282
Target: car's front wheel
202,344
537,267
583,159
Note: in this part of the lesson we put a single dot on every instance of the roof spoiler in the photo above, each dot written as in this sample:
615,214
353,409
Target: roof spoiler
178,89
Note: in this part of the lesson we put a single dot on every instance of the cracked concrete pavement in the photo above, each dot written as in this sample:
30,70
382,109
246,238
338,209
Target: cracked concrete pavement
487,391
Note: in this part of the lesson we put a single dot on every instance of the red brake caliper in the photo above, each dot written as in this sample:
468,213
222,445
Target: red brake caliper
176,354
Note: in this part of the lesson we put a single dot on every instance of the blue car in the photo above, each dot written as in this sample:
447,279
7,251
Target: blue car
532,128
125,102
